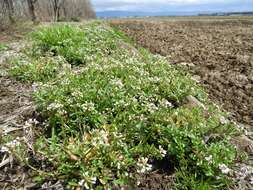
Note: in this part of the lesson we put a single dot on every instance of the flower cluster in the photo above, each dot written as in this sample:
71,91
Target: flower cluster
162,151
209,159
55,106
224,169
10,145
112,115
117,83
88,181
99,137
143,166
88,106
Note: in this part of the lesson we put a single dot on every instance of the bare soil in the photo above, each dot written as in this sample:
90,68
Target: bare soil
15,32
218,52
15,97
15,108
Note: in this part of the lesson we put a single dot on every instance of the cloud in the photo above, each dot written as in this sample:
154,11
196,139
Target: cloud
183,5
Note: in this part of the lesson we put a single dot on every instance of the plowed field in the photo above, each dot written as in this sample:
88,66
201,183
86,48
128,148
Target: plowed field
218,52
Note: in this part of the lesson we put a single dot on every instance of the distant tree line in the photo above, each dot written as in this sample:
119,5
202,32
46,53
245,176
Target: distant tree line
45,10
227,14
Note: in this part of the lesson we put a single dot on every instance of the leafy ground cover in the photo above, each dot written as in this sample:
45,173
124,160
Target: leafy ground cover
108,113
3,47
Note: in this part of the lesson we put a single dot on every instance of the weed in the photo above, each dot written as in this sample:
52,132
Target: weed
38,70
120,115
118,112
78,45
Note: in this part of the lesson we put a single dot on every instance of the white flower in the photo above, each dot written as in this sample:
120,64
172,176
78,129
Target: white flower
88,180
76,93
28,124
11,144
118,165
152,107
88,106
224,169
117,83
81,183
93,180
209,159
31,122
154,79
4,149
166,103
223,120
66,66
54,106
143,165
35,86
62,112
86,186
242,128
162,151
100,137
217,177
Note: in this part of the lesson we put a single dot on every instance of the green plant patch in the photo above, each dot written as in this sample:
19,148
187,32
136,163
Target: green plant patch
77,44
120,115
42,69
3,47
118,118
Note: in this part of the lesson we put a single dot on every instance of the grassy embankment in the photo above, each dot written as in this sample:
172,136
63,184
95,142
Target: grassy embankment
111,111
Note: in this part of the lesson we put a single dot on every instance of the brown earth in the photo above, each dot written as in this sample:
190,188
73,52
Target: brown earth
17,31
218,52
15,108
15,97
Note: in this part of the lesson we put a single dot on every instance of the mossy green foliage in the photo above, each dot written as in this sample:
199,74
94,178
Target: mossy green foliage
120,113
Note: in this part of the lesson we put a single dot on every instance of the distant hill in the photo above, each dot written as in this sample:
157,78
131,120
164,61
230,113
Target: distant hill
226,14
122,14
112,14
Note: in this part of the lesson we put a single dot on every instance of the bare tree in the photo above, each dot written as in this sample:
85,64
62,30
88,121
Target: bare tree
44,10
57,4
31,7
8,4
74,9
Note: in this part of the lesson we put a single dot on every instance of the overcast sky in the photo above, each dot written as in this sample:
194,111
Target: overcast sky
173,5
